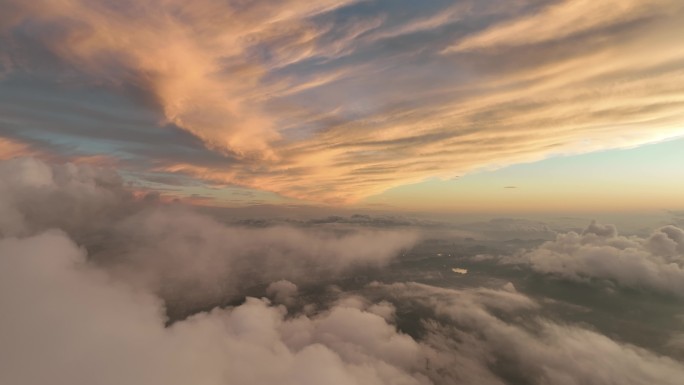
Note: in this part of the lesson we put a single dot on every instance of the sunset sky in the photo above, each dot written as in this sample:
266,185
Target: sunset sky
440,106
341,192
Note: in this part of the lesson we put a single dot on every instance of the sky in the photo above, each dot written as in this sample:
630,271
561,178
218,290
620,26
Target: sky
459,106
342,192
642,179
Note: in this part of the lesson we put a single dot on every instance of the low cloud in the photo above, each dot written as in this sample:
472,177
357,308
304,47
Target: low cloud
524,349
170,248
87,272
78,326
178,250
282,292
655,262
82,326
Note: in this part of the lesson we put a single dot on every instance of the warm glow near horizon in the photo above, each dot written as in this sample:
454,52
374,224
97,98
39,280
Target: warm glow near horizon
648,178
341,192
342,103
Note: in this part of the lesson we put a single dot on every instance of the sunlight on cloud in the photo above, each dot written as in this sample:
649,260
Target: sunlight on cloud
11,149
655,262
192,59
561,20
316,102
303,192
90,274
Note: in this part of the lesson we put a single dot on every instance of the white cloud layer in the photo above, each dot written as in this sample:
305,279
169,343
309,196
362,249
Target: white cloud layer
74,315
655,262
537,351
169,248
65,322
77,325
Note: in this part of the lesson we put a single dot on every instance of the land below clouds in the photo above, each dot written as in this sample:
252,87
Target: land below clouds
136,290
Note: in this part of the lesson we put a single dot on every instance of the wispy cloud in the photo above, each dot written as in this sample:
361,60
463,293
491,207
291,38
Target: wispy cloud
338,100
562,19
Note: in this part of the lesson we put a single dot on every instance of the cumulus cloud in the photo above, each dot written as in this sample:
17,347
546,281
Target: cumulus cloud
77,314
171,249
78,326
282,291
223,259
97,314
653,263
36,196
668,242
529,350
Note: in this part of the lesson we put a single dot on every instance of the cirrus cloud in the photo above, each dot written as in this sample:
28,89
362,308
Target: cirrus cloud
339,100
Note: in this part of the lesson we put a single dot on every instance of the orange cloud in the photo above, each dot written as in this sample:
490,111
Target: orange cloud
191,57
574,77
562,19
11,149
